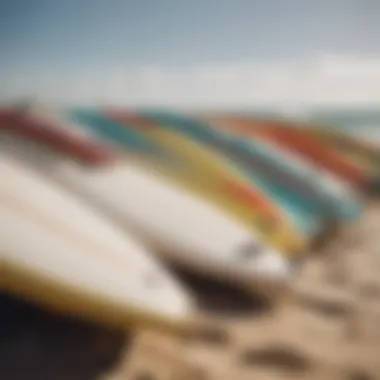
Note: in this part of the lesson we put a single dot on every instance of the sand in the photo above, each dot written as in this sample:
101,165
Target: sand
328,329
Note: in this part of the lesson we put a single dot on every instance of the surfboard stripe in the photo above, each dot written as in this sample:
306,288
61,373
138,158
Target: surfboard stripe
47,133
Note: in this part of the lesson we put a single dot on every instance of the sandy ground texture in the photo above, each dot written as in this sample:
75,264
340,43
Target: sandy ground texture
328,329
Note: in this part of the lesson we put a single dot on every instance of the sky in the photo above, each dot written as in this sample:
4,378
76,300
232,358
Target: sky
211,53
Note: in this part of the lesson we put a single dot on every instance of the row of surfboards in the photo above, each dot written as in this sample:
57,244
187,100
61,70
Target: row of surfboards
93,199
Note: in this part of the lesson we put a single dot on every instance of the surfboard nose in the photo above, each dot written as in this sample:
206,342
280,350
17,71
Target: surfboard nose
274,267
274,274
166,296
266,266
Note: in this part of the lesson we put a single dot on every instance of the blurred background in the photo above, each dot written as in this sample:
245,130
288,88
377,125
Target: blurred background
294,56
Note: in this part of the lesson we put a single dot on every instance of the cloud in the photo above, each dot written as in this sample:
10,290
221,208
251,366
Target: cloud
324,81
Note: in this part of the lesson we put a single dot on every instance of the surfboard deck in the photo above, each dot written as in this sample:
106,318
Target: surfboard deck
61,254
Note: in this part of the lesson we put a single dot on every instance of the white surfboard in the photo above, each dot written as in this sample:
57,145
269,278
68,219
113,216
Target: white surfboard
177,225
59,252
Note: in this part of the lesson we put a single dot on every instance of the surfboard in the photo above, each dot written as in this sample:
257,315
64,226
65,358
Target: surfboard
307,224
196,157
310,223
62,254
176,225
335,194
316,188
258,159
311,150
227,193
294,216
219,181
